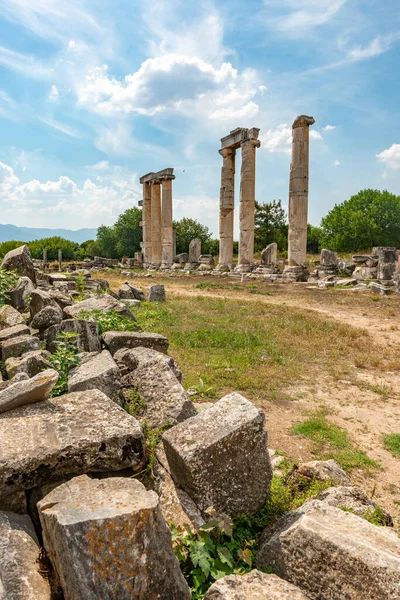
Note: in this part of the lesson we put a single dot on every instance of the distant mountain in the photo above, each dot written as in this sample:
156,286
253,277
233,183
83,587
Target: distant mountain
28,234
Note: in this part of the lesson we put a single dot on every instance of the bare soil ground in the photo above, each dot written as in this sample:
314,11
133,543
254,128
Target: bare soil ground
366,404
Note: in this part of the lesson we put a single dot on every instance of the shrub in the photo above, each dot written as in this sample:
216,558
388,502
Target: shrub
109,321
63,360
8,279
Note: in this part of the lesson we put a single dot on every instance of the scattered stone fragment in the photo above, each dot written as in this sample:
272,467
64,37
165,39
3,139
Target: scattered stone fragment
325,470
253,586
220,457
348,282
18,345
99,372
105,302
20,260
45,318
157,293
20,577
365,273
87,334
127,291
66,436
166,401
10,317
127,360
30,363
353,499
202,406
132,303
63,299
29,391
21,292
40,299
115,340
18,377
108,539
12,332
332,554
381,290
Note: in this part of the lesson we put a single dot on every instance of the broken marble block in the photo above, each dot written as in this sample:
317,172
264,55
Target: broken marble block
166,402
10,317
355,500
29,391
127,360
108,539
12,332
18,345
20,574
324,470
332,554
30,363
98,372
20,260
157,293
253,586
220,457
115,340
104,302
87,335
66,436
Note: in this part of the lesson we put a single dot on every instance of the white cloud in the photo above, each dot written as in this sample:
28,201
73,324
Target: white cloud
336,163
379,45
329,128
280,139
24,63
390,157
54,94
299,16
61,127
88,204
315,135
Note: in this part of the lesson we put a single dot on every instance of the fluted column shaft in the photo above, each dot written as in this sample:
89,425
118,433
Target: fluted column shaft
167,231
156,244
247,202
298,192
227,205
146,224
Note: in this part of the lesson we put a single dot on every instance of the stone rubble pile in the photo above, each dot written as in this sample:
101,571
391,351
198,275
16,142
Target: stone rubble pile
76,523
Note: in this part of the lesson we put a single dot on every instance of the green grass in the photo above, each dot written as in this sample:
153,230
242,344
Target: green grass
331,441
252,347
392,443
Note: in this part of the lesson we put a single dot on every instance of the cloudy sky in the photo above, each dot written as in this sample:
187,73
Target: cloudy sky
95,93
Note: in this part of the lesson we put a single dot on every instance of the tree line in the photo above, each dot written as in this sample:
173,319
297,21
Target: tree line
370,218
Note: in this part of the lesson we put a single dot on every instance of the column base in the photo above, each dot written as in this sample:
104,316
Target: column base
296,273
165,266
191,266
224,268
244,268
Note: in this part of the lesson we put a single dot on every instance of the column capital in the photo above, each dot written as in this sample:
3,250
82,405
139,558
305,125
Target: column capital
165,177
251,142
225,152
303,121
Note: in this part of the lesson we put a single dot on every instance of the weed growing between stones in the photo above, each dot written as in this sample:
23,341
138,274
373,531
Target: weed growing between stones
375,516
8,280
392,443
63,360
109,321
80,283
135,404
331,441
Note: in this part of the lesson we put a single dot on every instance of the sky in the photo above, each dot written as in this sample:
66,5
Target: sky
96,93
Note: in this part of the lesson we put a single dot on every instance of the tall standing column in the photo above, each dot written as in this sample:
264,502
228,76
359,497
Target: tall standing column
247,199
146,225
166,217
156,246
226,207
298,192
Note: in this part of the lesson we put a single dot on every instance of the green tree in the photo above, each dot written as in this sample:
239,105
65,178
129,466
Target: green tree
106,241
313,239
10,245
370,218
53,244
189,229
128,233
270,225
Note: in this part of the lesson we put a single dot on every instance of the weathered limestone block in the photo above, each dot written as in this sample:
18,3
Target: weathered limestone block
20,577
157,293
325,470
40,299
194,250
29,391
253,586
18,345
130,292
10,317
362,259
386,270
328,259
220,457
115,340
63,299
365,273
15,503
105,302
12,332
99,372
127,360
18,377
30,363
381,290
384,254
166,401
20,260
87,334
108,539
18,295
354,499
269,256
45,318
332,554
181,258
66,436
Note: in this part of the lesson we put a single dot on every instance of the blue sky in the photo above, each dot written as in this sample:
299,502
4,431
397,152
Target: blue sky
96,93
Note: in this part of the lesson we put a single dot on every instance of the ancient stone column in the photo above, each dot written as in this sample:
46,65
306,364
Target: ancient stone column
247,199
226,207
60,260
167,230
156,241
298,192
146,225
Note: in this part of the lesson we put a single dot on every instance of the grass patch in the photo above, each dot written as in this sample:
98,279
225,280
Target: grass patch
392,443
331,441
109,320
134,403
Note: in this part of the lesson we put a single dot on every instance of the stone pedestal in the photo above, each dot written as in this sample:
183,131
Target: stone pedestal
227,205
156,244
167,230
